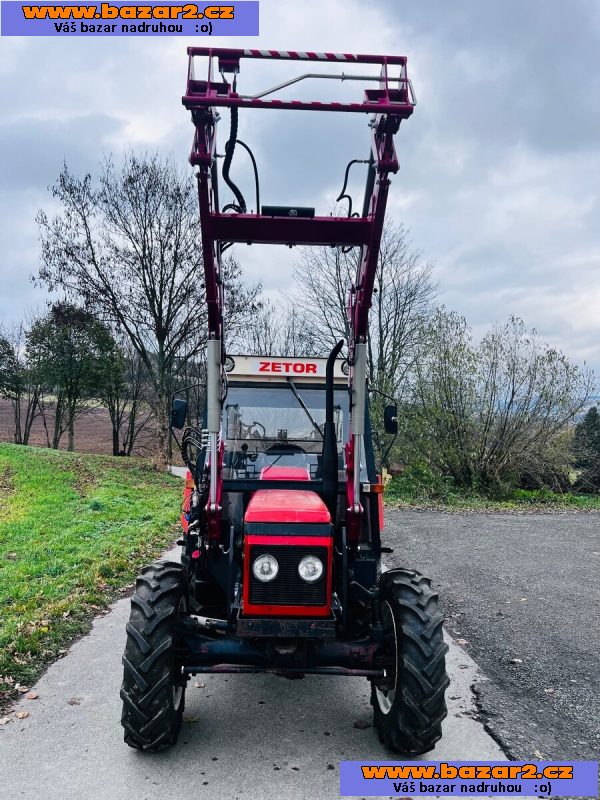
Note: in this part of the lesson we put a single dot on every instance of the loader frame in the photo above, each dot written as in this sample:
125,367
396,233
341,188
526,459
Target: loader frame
388,102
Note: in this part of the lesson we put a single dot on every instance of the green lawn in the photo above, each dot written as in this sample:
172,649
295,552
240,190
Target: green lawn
74,530
402,493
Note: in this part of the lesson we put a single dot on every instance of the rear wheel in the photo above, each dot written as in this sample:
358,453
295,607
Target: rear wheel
409,704
153,689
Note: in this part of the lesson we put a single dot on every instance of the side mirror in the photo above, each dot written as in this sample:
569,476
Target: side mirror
178,414
390,419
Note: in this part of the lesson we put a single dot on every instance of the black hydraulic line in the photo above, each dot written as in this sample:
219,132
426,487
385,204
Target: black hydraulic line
240,206
370,185
329,453
255,168
343,195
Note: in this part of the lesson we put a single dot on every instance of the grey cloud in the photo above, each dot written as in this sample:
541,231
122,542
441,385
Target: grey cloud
33,150
20,254
510,71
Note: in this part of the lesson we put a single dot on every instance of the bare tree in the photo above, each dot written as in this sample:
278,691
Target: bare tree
404,294
69,351
18,383
441,428
128,245
586,450
123,392
280,330
493,412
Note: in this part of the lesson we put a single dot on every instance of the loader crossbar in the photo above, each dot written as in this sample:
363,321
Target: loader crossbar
388,98
261,229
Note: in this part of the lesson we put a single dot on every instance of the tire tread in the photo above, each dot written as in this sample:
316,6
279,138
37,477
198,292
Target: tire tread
413,724
150,720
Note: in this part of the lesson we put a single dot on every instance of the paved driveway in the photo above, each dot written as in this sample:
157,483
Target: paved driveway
513,587
246,736
522,594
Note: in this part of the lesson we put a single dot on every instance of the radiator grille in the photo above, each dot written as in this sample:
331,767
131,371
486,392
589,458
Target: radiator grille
288,588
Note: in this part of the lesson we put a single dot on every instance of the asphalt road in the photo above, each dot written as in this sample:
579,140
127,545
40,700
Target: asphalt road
513,587
522,595
246,737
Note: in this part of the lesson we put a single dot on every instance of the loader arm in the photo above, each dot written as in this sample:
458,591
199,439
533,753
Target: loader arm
388,99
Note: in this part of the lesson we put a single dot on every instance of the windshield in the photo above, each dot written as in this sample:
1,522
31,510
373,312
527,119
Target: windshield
267,425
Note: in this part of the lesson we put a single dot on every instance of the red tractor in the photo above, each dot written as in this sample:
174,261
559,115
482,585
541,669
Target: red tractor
281,563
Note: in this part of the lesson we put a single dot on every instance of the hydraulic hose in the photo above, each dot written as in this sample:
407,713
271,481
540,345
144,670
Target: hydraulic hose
240,206
343,194
255,168
329,458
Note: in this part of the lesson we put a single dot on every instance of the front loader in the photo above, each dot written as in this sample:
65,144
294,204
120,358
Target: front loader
281,554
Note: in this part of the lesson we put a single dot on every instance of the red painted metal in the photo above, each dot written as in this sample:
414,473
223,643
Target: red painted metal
389,103
204,97
251,609
256,228
284,505
386,161
235,54
393,96
210,247
275,473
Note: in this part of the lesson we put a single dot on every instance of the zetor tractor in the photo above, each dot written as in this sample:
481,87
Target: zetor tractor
281,561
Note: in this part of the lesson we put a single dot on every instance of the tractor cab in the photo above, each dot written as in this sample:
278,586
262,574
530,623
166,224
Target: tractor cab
274,416
274,424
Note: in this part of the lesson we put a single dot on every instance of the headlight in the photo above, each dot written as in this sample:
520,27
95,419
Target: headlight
265,568
310,569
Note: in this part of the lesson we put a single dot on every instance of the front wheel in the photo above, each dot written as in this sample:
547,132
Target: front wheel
409,703
153,689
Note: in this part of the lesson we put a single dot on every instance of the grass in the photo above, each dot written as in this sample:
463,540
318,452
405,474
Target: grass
406,492
74,531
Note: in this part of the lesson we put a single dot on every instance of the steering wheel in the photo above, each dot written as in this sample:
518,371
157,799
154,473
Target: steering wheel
287,449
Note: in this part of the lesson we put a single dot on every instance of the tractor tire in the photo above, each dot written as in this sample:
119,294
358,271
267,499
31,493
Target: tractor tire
409,705
153,689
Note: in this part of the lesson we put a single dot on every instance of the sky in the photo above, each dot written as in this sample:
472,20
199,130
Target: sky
500,163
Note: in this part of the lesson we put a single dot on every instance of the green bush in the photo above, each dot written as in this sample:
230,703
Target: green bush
418,483
534,496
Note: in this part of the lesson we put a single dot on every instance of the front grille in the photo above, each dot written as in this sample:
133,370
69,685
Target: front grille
288,588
